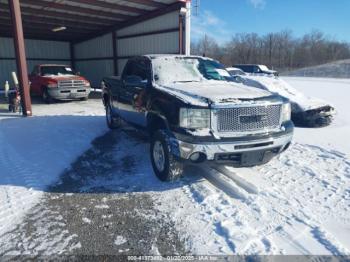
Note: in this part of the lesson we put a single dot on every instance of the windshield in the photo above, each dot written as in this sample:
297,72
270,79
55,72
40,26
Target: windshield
235,72
264,68
56,70
187,69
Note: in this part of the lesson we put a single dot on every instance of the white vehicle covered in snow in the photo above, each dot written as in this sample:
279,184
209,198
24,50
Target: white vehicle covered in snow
306,111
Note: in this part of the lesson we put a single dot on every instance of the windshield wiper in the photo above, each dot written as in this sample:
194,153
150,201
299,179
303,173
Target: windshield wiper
187,81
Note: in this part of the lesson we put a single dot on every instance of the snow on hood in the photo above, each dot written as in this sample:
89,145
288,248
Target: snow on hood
278,86
201,92
63,77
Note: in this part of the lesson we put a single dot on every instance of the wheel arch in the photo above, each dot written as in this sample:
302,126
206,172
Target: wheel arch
156,121
105,98
42,89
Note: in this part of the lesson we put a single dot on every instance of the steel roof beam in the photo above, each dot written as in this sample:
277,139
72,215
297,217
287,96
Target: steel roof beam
111,6
158,12
44,28
34,34
60,15
50,21
76,9
148,3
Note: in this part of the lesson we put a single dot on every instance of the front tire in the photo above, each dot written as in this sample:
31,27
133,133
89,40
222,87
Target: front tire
113,122
84,98
166,167
46,96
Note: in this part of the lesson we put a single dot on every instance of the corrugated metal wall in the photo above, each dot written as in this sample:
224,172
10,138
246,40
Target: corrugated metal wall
95,70
49,51
97,47
94,58
164,43
150,44
166,21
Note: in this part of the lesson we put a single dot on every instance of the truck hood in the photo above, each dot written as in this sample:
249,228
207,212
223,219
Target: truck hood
65,77
278,86
215,92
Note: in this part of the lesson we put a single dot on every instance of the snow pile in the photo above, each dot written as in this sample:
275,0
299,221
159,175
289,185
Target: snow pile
277,85
120,240
337,92
338,69
35,151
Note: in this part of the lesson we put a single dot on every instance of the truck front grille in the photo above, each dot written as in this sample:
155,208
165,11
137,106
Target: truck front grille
254,118
71,84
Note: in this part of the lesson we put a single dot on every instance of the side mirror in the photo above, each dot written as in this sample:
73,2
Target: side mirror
238,79
78,73
135,81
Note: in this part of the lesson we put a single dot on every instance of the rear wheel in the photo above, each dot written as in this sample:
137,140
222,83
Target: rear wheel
166,167
113,122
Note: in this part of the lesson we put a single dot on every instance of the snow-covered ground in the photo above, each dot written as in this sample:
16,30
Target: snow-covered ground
35,151
336,69
299,203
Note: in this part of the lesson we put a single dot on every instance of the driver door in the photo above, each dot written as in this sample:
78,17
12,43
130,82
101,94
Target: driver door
35,83
136,81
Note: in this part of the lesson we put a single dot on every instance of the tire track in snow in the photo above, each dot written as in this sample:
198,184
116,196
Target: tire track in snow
19,198
310,216
279,204
240,181
225,183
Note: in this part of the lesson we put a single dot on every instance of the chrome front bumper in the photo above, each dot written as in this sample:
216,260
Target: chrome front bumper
215,148
69,93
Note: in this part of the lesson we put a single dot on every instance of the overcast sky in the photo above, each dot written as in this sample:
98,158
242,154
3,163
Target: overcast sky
223,18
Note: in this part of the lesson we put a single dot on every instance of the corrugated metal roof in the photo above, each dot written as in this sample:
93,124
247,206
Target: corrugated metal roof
80,17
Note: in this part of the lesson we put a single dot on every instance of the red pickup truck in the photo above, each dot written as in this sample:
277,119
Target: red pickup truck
58,82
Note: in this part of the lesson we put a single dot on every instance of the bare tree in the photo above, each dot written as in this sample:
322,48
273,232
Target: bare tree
281,50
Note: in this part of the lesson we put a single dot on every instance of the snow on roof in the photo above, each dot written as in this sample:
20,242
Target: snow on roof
54,65
233,68
153,56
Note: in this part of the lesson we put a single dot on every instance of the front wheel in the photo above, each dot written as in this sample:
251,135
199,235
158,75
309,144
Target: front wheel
46,96
113,122
165,165
84,98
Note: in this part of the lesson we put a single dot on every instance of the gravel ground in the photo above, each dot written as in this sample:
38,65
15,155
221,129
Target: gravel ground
79,218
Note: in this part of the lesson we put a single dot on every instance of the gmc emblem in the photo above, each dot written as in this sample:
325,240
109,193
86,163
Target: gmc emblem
252,119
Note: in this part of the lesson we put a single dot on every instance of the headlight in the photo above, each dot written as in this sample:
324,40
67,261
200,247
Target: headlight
86,83
194,118
52,85
286,112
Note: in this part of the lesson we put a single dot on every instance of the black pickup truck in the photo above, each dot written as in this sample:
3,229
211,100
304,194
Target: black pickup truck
194,112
